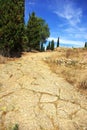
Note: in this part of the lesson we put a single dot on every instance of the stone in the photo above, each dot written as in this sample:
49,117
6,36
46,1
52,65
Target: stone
48,98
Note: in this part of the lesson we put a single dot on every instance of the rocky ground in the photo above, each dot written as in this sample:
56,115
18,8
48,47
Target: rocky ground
35,98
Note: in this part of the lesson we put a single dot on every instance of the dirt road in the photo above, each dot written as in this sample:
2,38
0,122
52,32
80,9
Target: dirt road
35,98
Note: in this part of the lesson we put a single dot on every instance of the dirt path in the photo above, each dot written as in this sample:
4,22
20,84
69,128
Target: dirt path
37,99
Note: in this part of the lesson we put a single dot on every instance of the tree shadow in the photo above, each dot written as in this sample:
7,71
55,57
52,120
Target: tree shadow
16,54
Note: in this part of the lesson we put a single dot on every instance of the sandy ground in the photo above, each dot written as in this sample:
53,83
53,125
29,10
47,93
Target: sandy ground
35,98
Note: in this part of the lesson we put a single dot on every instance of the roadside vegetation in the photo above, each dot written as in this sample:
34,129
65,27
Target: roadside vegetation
15,35
71,64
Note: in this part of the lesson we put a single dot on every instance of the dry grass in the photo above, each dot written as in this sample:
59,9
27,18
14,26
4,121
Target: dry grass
2,60
83,83
71,64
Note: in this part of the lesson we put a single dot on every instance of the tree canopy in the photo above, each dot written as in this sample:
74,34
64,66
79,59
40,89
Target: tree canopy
37,31
15,36
11,25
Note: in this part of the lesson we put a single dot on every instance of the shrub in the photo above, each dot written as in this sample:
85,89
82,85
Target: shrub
16,127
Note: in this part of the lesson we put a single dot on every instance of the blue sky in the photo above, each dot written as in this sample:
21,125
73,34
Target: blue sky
67,19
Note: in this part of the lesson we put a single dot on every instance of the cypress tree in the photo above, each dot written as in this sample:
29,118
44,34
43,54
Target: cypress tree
42,47
85,45
58,42
11,26
52,45
49,46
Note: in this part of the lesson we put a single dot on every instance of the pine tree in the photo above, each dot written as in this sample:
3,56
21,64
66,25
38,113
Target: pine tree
33,34
58,42
11,26
52,45
37,31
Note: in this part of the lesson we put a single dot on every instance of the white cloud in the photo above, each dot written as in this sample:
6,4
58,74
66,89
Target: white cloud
52,38
69,12
65,41
68,42
76,32
72,26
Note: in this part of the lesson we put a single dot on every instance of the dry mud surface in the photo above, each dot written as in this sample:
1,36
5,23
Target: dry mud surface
35,98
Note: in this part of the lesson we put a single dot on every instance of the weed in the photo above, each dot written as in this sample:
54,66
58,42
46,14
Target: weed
16,127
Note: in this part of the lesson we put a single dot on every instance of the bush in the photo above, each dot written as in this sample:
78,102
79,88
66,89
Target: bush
15,127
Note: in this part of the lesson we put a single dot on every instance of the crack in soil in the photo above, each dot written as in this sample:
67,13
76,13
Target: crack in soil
5,95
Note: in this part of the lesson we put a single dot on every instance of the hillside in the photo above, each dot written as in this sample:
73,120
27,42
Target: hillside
33,96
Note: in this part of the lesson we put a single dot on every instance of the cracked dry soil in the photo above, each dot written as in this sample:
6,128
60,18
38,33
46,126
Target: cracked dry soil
32,96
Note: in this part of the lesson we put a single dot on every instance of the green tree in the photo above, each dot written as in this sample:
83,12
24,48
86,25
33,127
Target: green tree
44,30
58,42
33,31
85,45
52,45
25,40
11,26
37,31
49,46
42,47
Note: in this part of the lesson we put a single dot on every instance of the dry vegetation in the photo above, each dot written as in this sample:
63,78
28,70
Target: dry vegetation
71,64
2,60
